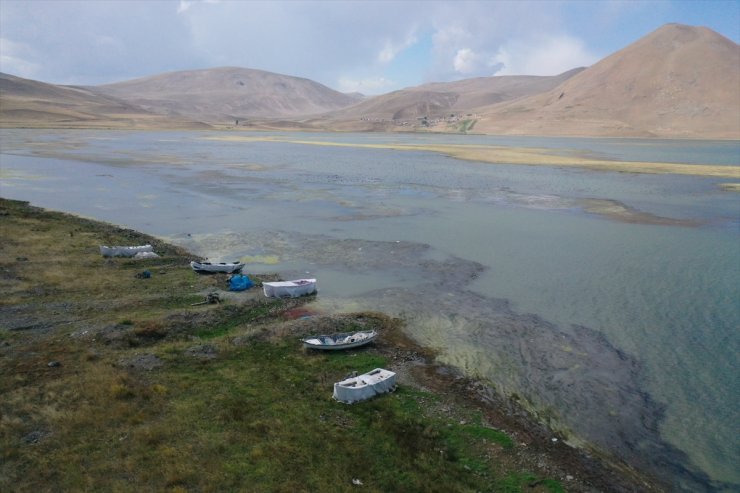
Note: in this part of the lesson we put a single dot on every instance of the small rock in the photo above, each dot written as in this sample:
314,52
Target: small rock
554,440
53,364
34,437
357,482
204,352
569,477
142,362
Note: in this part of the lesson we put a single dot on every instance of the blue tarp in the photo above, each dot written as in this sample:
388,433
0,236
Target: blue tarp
239,282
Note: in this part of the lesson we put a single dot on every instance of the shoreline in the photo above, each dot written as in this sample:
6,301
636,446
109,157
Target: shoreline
536,446
298,126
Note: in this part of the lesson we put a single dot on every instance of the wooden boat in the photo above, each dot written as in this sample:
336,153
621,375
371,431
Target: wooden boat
335,342
124,251
365,386
203,267
289,289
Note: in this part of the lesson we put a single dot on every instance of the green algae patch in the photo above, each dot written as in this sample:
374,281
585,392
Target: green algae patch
730,187
261,259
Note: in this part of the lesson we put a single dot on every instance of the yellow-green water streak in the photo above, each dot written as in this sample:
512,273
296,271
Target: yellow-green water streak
518,155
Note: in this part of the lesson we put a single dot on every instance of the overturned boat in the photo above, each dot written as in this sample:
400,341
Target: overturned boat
365,386
335,342
289,289
205,267
124,251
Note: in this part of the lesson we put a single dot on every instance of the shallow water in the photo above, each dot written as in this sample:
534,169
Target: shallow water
622,328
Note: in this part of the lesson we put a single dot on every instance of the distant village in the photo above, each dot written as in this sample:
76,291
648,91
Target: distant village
425,121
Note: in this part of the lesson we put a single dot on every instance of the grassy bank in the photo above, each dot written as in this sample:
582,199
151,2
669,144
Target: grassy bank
116,382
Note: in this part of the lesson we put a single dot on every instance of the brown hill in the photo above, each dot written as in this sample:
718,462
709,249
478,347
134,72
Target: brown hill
440,99
228,93
25,102
678,81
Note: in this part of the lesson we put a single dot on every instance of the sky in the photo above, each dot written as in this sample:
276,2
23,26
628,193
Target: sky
372,47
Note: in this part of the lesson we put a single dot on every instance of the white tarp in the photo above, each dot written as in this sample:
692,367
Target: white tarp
123,251
146,255
365,386
289,289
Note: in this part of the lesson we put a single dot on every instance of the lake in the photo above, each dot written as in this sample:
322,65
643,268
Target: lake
607,302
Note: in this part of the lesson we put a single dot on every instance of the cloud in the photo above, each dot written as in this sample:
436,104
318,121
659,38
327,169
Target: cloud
466,61
544,55
391,50
15,58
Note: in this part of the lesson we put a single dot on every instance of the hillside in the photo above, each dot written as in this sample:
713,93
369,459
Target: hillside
678,81
227,94
25,102
440,99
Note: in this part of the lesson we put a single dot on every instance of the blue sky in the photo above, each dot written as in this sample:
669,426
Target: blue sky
370,47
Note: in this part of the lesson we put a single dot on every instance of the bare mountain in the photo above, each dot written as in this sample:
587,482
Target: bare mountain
228,93
678,81
440,99
25,102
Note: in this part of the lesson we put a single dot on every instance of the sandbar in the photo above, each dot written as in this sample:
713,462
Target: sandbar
520,156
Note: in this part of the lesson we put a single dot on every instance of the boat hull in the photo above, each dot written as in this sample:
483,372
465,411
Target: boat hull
365,386
338,342
206,267
289,289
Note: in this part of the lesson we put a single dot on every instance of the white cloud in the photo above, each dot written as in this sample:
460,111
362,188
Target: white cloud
391,50
544,55
15,58
466,61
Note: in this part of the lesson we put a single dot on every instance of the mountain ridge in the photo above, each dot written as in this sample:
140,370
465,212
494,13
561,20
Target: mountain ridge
678,81
227,93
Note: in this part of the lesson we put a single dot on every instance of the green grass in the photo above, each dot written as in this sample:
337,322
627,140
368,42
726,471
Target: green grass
466,125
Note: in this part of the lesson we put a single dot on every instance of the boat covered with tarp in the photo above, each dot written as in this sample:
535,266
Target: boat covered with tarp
345,340
289,289
124,251
365,386
226,267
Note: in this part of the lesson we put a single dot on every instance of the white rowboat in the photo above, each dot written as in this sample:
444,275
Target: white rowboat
365,386
220,267
340,341
289,289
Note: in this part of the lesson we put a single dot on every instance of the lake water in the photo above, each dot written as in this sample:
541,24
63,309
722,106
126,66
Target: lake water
620,331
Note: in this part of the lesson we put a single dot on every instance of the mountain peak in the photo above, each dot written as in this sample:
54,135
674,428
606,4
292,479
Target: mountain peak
677,81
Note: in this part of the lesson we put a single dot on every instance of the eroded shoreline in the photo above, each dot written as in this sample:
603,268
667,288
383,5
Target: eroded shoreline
33,334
